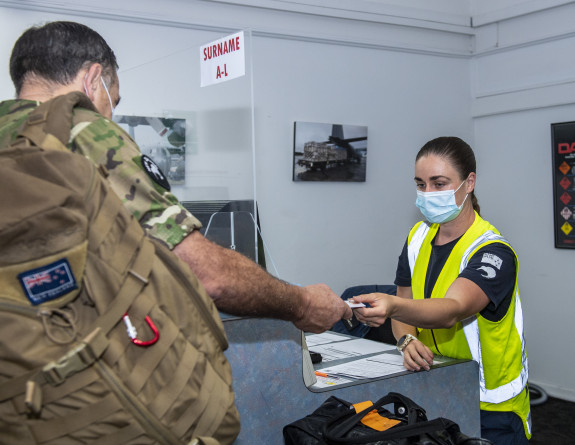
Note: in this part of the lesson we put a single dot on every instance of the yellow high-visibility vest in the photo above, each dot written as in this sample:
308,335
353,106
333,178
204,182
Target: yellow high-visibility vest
498,347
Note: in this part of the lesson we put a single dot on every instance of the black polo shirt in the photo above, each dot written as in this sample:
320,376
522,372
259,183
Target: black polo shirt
492,268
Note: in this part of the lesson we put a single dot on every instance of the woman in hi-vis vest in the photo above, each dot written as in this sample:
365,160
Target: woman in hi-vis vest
457,292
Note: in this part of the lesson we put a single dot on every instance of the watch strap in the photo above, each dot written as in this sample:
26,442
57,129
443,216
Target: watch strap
404,341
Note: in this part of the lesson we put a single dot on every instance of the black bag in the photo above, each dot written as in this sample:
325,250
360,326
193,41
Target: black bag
335,422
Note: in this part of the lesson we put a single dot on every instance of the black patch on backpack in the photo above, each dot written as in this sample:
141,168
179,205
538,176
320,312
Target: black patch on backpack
155,173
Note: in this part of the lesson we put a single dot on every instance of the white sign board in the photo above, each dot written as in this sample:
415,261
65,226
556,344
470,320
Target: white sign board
223,60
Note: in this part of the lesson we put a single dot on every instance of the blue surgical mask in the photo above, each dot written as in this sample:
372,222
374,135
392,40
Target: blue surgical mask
439,207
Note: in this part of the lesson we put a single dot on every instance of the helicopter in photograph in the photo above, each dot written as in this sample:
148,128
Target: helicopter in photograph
337,150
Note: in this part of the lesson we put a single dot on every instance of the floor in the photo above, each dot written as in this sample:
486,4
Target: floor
553,422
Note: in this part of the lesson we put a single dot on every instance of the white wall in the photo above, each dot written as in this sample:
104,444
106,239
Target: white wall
348,233
410,74
515,192
523,81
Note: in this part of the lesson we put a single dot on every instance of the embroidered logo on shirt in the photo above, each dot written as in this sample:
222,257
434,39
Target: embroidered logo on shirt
154,172
494,260
48,282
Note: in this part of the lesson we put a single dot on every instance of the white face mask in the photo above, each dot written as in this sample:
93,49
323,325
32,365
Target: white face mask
105,89
108,93
439,207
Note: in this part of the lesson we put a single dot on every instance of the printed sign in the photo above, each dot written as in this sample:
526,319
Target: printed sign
563,146
223,60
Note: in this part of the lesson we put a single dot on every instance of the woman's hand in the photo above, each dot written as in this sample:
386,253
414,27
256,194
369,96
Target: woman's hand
379,310
417,356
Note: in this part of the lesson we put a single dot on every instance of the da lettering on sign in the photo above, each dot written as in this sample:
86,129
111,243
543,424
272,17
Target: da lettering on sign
222,60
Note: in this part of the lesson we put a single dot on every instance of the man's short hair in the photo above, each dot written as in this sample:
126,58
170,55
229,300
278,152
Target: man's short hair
57,51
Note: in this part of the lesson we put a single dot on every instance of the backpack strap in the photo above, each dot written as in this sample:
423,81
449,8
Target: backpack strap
50,124
204,441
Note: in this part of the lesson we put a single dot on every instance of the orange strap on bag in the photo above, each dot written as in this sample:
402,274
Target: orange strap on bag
372,419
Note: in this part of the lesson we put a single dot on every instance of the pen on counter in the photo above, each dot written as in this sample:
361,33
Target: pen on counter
323,374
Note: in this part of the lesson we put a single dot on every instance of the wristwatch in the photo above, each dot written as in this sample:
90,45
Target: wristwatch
404,341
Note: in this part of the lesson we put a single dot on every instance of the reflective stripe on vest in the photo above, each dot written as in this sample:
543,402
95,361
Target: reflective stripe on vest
414,245
471,330
471,325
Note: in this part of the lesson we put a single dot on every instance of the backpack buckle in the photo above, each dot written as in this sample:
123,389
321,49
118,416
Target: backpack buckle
77,359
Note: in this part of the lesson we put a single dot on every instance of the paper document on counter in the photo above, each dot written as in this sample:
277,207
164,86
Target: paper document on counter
320,339
350,348
395,359
389,359
368,368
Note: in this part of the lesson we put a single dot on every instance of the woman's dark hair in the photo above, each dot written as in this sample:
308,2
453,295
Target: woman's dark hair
458,153
57,51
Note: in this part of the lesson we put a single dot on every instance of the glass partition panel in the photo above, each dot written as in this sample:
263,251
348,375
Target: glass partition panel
201,137
231,224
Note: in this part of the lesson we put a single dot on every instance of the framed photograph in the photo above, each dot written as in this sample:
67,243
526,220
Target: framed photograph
329,152
161,138
563,155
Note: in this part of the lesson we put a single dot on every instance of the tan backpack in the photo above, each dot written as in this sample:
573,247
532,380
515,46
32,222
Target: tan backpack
105,336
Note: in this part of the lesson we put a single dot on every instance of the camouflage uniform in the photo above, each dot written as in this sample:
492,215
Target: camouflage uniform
105,143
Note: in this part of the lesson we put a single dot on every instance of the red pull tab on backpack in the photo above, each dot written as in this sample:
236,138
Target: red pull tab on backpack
372,419
133,334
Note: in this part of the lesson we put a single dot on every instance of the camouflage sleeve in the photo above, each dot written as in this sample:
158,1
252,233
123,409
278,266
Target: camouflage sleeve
134,179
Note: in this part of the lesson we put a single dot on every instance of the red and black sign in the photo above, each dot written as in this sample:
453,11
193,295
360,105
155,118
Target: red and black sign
563,146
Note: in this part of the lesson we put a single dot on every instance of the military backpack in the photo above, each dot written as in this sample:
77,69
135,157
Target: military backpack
106,337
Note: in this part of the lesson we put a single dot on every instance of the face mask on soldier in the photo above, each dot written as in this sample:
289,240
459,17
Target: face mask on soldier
105,89
108,93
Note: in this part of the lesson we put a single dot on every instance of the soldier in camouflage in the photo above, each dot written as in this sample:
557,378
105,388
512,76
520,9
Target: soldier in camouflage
60,57
105,143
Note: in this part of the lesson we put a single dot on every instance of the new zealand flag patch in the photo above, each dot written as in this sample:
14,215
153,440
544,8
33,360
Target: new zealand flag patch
48,282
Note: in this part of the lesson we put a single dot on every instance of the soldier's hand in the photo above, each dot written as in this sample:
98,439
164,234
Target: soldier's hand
321,309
